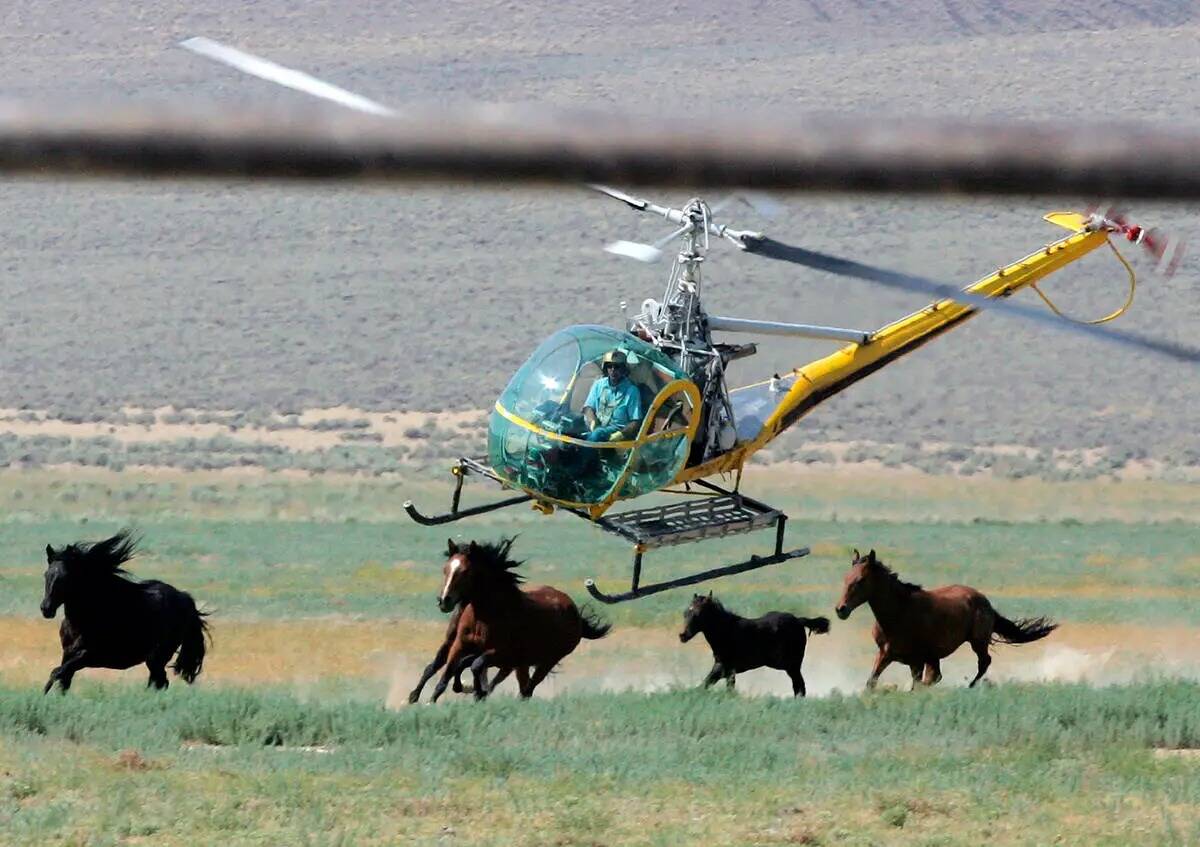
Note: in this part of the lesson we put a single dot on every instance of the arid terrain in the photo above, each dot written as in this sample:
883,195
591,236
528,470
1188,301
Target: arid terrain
284,299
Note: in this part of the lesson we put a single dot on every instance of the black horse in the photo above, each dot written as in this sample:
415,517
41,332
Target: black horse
113,621
776,640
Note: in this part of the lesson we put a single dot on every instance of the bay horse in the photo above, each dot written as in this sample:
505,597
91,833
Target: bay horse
113,621
439,660
919,628
774,640
526,631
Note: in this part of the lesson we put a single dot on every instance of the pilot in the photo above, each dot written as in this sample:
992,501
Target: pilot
613,410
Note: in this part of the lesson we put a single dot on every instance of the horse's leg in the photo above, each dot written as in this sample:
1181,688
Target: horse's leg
502,675
798,689
433,667
452,660
158,676
933,672
729,680
156,663
881,662
540,673
981,651
55,673
916,670
522,682
465,662
479,674
716,673
71,662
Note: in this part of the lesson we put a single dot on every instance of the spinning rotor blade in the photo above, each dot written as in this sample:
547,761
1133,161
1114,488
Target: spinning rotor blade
773,249
628,199
644,252
288,77
633,250
1165,249
764,204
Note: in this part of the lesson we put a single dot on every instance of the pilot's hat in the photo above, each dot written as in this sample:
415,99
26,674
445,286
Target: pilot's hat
614,357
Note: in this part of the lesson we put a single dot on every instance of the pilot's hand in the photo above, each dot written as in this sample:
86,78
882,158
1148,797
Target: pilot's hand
617,436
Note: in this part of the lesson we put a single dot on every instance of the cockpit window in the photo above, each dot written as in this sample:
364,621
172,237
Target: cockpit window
539,436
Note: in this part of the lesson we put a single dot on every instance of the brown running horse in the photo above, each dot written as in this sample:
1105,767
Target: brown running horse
919,628
504,626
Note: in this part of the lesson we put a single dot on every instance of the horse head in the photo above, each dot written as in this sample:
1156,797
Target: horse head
456,574
696,615
56,581
858,583
81,567
61,575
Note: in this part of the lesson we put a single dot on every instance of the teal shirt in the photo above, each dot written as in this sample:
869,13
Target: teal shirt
616,407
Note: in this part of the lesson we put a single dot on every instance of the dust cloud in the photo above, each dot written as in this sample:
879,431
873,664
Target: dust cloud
654,661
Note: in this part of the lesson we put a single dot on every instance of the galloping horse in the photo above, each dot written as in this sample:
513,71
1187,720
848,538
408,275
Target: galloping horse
110,621
775,640
503,625
919,628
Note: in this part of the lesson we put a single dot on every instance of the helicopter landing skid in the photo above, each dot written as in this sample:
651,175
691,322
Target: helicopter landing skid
721,514
717,513
460,471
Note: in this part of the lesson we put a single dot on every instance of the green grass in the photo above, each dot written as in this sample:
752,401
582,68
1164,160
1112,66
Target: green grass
284,568
1011,764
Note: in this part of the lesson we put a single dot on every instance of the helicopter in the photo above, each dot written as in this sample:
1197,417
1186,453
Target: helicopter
696,426
693,425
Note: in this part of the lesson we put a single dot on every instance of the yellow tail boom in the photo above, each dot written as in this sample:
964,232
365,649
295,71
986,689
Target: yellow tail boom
825,377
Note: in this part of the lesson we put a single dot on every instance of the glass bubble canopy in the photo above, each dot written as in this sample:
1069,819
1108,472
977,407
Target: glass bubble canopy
536,435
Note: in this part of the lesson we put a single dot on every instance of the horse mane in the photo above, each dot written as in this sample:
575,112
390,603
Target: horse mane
717,605
897,582
105,556
720,609
493,557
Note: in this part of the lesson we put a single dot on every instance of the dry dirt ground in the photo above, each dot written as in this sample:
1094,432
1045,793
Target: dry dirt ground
385,658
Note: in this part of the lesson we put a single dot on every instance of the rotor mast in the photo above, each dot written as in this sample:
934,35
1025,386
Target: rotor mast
679,326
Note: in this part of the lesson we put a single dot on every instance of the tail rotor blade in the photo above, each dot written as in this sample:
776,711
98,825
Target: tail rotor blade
1166,249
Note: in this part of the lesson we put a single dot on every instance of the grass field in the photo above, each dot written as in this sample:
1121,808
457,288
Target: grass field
324,613
1010,765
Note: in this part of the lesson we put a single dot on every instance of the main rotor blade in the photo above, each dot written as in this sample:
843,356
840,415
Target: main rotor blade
288,77
628,199
773,249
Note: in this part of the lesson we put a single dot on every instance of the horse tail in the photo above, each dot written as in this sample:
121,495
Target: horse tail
817,626
190,660
593,625
1022,630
